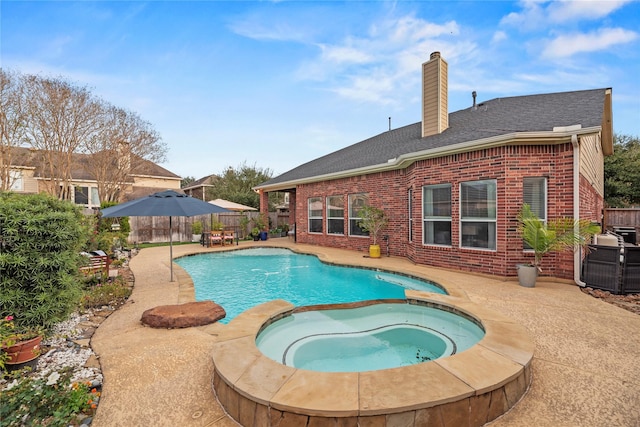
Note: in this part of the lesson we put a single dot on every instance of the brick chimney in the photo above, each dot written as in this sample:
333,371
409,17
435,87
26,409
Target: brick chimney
435,114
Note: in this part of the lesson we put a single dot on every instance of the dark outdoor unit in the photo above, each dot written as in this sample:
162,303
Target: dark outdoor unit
631,270
627,233
601,268
613,268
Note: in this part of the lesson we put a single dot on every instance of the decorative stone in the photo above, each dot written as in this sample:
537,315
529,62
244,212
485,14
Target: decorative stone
183,315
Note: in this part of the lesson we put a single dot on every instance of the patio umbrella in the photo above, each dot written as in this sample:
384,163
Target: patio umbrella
165,203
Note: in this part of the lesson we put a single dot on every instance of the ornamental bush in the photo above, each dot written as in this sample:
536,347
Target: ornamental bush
40,242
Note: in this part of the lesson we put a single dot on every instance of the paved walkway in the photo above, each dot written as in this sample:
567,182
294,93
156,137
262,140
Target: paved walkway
586,366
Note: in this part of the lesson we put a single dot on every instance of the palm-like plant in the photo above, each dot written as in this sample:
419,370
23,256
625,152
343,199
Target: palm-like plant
373,220
558,235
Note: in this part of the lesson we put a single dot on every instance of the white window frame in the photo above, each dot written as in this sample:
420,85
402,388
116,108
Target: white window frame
335,219
469,221
360,199
93,200
313,216
430,218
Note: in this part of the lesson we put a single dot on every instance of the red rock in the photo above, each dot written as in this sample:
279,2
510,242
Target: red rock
183,315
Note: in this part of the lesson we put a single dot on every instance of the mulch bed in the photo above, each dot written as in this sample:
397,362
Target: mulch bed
627,302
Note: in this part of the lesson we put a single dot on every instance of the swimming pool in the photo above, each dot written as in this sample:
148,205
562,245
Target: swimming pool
240,279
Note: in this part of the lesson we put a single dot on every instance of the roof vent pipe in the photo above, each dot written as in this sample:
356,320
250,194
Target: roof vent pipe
474,94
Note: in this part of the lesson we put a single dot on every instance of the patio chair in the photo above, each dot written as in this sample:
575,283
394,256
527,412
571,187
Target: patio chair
228,236
215,238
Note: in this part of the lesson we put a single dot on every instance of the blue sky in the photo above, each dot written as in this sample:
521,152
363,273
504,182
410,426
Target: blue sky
276,84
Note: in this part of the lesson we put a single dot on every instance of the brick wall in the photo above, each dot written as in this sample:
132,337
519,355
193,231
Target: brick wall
506,165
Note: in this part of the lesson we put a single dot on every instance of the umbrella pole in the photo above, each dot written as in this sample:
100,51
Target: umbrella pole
171,249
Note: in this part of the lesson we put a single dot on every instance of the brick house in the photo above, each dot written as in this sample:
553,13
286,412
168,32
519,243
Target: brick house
454,183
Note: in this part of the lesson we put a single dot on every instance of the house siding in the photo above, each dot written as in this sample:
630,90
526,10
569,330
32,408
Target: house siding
592,161
507,165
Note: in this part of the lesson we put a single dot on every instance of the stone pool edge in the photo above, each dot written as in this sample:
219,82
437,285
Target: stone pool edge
474,386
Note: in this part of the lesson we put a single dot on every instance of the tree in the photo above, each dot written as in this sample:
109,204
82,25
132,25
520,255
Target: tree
121,144
61,117
184,182
12,125
237,184
622,172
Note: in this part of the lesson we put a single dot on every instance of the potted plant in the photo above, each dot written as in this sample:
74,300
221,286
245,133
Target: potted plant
373,220
255,233
18,346
196,230
558,235
285,230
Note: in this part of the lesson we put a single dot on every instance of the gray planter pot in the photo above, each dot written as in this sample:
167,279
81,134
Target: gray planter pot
527,275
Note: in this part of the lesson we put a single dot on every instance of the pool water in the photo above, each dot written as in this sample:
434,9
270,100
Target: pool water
373,337
240,279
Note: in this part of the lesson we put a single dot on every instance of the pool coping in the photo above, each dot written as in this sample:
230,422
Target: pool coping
486,380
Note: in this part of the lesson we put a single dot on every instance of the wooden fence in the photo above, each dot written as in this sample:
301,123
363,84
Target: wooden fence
621,217
155,229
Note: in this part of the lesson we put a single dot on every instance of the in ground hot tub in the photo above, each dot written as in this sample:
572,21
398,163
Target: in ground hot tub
472,386
367,338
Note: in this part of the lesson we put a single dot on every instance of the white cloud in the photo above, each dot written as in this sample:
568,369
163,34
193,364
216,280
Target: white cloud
571,44
499,36
374,66
540,14
563,11
345,54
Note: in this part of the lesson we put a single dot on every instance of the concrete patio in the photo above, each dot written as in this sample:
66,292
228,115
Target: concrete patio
586,365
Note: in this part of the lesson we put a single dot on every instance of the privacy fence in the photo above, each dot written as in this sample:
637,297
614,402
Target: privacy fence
155,229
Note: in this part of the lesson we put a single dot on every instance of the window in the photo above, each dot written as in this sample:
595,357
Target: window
478,214
356,202
437,214
15,181
535,195
335,215
410,211
315,215
86,196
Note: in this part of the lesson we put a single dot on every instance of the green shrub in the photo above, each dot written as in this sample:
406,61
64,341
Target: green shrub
40,242
109,293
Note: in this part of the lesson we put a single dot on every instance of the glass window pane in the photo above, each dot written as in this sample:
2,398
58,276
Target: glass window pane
356,202
335,215
81,195
315,225
478,202
478,199
479,235
437,214
315,214
535,195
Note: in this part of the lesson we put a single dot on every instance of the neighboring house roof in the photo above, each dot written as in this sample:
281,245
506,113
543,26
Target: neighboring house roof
206,181
31,158
490,121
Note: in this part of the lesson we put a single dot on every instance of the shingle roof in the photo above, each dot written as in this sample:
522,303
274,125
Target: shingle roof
80,169
499,116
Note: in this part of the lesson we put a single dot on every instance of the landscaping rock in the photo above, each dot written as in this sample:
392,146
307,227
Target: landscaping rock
183,315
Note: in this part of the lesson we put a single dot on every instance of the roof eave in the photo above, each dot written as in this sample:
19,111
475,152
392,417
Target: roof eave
558,136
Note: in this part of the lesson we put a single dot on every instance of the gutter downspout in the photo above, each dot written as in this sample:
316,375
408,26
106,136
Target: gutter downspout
577,255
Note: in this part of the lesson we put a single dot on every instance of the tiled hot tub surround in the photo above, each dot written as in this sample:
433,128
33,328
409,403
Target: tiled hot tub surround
467,389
